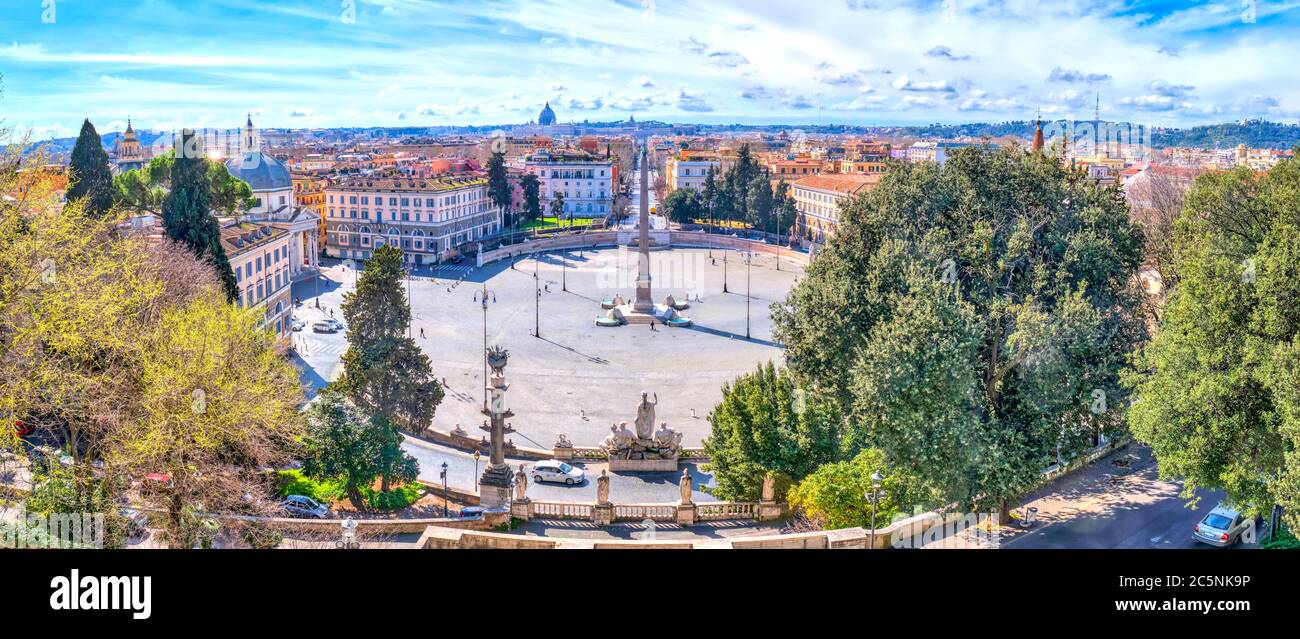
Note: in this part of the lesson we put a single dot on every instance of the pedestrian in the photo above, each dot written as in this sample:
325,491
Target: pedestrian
421,332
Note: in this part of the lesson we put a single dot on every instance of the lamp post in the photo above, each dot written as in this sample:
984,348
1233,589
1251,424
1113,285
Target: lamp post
483,298
564,273
749,259
476,458
724,272
874,496
349,539
445,511
537,299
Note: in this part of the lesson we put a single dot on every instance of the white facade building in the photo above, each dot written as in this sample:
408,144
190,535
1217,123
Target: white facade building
584,180
429,219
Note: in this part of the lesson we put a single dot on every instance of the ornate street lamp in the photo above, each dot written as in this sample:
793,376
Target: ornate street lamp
876,493
445,511
483,299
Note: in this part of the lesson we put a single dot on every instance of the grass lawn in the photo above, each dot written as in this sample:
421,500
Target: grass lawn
732,224
550,222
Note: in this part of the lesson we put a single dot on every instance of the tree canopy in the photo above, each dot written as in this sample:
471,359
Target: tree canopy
385,372
90,175
188,219
972,320
1219,385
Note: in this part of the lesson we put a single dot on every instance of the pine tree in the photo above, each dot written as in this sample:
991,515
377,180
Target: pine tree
498,182
384,372
532,196
91,177
187,215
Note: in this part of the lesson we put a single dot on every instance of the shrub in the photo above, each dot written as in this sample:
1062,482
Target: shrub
294,482
395,499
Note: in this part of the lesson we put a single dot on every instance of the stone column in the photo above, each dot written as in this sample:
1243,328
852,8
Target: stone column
644,300
494,485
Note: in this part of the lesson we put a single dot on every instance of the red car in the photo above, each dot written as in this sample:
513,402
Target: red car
21,428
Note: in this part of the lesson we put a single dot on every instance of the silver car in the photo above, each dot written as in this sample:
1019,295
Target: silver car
558,472
304,507
1221,527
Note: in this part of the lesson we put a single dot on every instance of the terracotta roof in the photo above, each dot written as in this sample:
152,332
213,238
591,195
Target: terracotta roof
841,183
239,237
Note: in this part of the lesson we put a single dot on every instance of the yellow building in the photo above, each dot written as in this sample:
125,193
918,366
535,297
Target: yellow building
818,199
309,192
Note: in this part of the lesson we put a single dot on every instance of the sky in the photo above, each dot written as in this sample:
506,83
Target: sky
334,63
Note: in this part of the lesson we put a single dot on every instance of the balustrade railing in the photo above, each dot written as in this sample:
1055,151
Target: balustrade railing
642,512
561,510
715,511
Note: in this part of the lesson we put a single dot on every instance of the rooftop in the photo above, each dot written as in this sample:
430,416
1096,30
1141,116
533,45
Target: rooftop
239,237
848,184
408,183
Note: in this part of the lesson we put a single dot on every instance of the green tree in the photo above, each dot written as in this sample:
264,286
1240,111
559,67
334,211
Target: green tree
145,189
709,194
557,207
384,373
785,211
835,495
91,178
344,443
765,424
759,202
683,206
187,214
498,181
973,319
1218,388
531,187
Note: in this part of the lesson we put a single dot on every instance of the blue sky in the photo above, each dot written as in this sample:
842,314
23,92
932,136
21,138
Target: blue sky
321,63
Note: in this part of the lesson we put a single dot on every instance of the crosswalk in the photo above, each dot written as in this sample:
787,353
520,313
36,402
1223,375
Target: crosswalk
444,271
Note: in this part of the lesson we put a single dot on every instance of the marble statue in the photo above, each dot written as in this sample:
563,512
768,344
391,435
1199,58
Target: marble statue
563,442
667,439
602,488
685,486
645,417
521,483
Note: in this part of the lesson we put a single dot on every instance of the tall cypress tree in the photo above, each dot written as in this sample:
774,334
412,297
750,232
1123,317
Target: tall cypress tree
91,177
498,182
384,372
187,214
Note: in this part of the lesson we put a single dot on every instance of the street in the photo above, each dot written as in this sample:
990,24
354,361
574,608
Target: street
1117,502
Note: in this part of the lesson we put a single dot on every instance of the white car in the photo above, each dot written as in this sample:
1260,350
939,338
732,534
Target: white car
1221,527
558,472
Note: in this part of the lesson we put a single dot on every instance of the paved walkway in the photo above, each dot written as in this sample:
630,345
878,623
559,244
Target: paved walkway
646,531
1117,502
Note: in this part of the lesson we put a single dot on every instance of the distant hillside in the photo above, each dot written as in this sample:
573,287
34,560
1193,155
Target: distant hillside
1260,134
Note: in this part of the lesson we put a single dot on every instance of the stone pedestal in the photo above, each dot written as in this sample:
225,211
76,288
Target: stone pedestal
603,514
770,510
494,487
686,514
666,465
563,453
522,508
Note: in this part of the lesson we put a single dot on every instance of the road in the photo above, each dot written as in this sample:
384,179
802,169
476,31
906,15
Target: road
1119,502
657,222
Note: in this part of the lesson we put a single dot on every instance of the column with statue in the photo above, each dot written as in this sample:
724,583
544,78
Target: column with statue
494,485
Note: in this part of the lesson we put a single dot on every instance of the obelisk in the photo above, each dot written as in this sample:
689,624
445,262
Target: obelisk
644,301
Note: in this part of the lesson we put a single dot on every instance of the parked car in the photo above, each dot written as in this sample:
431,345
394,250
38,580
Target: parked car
324,327
137,522
1221,527
304,507
155,483
472,512
297,325
21,428
558,472
335,323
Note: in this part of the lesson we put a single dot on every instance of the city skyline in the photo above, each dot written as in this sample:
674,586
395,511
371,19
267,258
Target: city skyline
851,62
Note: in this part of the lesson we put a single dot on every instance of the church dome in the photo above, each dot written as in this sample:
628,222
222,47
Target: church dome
261,171
547,117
